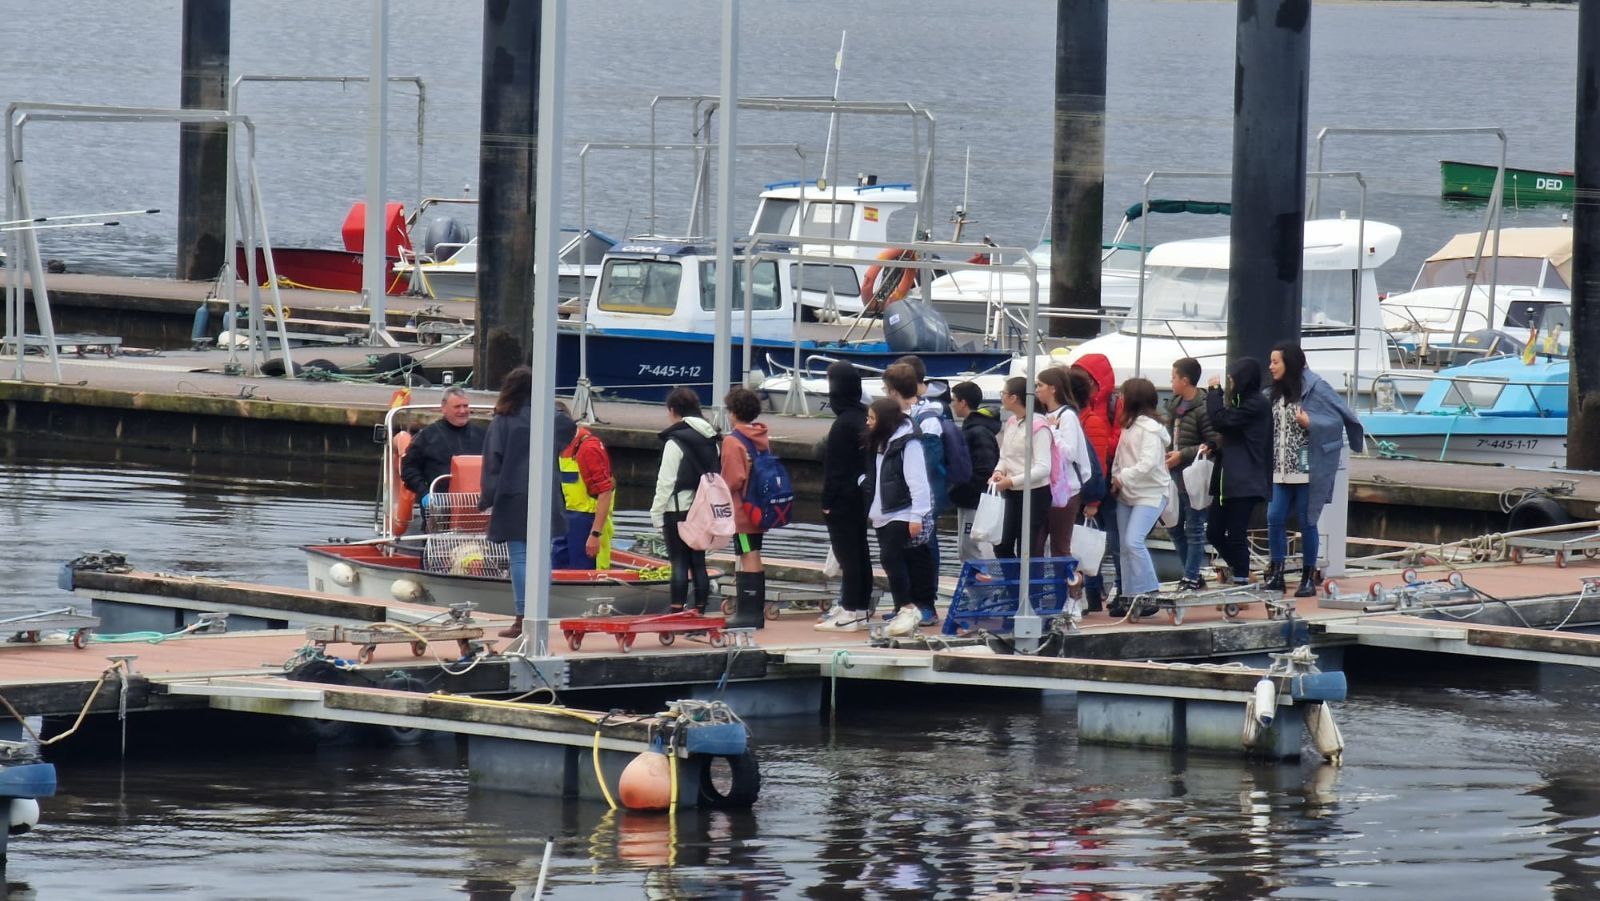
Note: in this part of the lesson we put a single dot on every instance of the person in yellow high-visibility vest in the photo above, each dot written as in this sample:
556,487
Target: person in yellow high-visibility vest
588,488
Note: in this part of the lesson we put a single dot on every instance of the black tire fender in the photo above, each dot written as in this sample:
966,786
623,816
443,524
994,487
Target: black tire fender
746,782
1535,513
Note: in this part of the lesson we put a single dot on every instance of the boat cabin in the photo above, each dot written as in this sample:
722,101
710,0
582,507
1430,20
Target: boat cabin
669,285
1533,285
868,212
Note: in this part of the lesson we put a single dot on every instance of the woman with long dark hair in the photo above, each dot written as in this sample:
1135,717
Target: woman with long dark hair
1015,478
1139,479
1243,479
1055,392
1309,425
900,511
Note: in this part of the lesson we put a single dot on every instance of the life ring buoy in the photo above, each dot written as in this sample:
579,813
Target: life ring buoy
877,296
744,787
405,500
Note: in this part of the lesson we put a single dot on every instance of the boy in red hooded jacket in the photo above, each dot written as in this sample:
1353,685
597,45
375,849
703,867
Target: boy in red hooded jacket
1100,425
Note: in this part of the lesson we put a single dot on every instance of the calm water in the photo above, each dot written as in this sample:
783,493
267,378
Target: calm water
1459,780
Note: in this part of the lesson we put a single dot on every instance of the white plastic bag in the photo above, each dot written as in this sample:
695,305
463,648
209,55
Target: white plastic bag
989,522
1168,518
830,566
1197,481
1089,546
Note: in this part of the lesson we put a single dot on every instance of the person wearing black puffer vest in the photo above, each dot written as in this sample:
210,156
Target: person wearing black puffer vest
690,452
844,511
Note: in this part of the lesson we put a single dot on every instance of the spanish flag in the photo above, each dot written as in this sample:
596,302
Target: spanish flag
400,398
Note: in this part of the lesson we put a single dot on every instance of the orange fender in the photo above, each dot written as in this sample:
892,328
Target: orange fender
895,287
405,500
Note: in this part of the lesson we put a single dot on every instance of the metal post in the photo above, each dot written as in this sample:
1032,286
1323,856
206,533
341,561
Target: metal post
507,149
1583,417
1077,185
1025,627
726,133
374,258
547,281
203,147
1272,67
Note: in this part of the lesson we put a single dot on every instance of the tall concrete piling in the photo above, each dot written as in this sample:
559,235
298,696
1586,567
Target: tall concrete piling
1583,414
203,148
507,162
1271,80
1077,184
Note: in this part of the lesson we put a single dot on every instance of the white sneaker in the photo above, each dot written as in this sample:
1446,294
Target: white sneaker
850,621
833,613
905,622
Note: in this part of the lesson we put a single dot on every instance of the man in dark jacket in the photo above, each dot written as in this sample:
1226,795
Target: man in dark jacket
1191,431
980,427
1242,418
844,510
430,453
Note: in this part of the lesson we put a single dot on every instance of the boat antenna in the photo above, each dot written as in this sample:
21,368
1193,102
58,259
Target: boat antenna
833,117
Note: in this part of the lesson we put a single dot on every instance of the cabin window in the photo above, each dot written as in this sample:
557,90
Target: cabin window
776,216
821,218
1327,297
1185,300
763,290
1475,392
818,276
640,286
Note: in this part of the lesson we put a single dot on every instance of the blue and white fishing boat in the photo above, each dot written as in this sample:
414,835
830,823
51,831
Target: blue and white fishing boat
1493,410
648,326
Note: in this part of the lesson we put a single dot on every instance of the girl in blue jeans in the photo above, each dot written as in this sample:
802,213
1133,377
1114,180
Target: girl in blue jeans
1139,479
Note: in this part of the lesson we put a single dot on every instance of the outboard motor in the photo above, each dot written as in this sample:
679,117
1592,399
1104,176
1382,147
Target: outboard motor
444,230
1485,343
913,327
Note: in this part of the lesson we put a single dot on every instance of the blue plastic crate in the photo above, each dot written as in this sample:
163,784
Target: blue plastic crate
986,594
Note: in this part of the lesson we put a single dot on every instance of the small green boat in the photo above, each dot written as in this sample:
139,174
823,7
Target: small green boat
1474,181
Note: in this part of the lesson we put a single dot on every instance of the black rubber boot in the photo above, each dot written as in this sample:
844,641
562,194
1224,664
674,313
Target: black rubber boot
1272,579
1308,583
747,612
759,599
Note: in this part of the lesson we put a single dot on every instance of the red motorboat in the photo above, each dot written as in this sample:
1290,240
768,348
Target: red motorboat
325,269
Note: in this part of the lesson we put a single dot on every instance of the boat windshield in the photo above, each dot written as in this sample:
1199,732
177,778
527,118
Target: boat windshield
764,292
817,277
640,286
1192,301
1521,271
821,218
776,216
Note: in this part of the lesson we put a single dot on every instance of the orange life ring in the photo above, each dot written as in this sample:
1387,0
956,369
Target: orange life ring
893,288
405,500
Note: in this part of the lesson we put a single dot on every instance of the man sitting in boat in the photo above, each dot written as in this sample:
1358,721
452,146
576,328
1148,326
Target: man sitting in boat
429,455
587,488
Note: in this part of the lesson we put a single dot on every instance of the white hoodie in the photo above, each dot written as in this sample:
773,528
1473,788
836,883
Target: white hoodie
667,476
1141,463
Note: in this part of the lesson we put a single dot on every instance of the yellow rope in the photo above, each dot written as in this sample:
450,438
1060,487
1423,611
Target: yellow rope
600,776
81,713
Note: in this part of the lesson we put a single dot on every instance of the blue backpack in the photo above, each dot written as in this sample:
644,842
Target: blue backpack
768,493
947,458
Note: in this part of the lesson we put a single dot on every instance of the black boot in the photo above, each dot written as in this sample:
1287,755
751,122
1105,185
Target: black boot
1272,579
1308,583
747,602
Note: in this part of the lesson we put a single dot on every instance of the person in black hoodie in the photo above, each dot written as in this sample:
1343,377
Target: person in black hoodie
980,428
843,508
1243,420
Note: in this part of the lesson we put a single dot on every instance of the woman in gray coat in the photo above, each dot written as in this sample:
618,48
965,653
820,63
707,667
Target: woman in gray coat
1309,425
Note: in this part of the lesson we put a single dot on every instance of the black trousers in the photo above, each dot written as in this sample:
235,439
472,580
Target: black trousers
1228,532
910,569
1010,545
847,533
686,564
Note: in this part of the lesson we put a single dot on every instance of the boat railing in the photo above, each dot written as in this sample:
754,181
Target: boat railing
388,490
1467,405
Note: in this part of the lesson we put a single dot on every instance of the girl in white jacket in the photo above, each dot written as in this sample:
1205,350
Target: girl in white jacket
1139,477
1015,479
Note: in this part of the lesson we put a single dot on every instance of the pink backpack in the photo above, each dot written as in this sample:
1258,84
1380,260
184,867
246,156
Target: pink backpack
1061,462
709,525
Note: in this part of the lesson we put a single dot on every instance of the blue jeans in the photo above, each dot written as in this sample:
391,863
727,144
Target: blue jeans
1284,499
1138,570
570,551
1189,536
518,552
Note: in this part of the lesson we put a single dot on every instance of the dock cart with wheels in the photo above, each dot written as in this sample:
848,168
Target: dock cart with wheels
1563,546
1230,599
666,627
29,627
458,627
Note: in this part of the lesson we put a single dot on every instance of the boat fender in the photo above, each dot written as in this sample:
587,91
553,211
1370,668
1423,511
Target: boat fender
1252,729
1535,512
742,779
1325,734
406,591
646,782
1266,701
1319,687
343,574
24,815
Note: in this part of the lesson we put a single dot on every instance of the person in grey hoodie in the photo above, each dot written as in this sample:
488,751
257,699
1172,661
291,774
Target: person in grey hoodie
690,451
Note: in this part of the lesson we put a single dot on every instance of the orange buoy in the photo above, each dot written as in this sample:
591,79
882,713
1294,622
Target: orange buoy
896,284
646,782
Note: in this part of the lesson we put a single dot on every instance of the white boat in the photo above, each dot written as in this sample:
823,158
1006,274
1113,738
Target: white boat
1186,305
456,276
1533,288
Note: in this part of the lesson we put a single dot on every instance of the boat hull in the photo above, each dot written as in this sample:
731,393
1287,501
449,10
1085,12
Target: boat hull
1475,181
1506,441
319,269
377,567
647,366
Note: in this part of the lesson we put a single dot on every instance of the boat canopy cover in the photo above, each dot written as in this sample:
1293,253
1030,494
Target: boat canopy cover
1553,244
1198,207
1329,244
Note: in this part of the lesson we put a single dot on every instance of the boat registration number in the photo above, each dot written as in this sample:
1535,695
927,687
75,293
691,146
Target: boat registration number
1509,443
670,372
